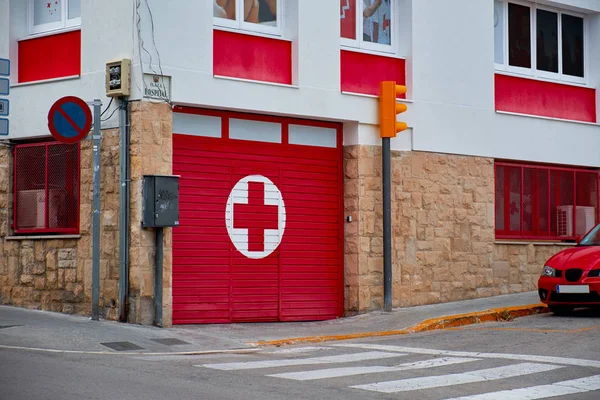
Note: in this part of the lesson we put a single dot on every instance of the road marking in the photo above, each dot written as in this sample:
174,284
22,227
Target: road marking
519,357
349,371
344,358
298,350
436,381
574,386
537,330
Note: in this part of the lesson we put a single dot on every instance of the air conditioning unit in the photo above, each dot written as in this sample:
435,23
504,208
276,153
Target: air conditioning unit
585,220
57,210
31,209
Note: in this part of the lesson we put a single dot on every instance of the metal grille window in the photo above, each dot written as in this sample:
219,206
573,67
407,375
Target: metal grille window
534,202
46,187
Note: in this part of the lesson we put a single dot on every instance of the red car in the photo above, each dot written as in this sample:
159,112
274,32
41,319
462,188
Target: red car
571,278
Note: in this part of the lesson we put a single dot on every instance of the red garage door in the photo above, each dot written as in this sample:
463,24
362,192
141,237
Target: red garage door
260,235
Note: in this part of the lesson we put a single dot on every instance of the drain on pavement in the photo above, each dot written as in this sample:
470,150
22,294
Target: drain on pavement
122,346
169,341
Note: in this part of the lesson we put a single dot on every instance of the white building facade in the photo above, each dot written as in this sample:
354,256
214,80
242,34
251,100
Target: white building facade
497,170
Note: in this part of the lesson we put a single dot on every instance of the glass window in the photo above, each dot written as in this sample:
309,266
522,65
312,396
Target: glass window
257,15
547,41
541,202
46,188
348,19
499,32
559,41
367,24
74,9
49,15
312,136
243,129
197,125
46,12
572,45
519,36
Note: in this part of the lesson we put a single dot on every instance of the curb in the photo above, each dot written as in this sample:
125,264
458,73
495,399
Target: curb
131,353
452,321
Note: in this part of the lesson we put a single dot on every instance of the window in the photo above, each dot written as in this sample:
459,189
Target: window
46,188
534,202
367,24
50,15
253,15
539,41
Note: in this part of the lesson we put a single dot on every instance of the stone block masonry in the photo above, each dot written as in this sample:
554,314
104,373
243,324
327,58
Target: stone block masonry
443,239
54,272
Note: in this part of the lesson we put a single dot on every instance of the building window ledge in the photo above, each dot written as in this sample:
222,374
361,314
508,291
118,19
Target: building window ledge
527,243
547,118
64,78
43,237
230,78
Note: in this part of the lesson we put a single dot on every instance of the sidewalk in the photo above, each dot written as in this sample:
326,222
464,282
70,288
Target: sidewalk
66,333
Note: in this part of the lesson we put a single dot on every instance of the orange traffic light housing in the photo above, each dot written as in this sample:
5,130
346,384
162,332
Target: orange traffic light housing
389,108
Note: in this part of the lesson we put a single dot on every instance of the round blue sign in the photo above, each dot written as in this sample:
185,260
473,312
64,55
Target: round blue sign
69,119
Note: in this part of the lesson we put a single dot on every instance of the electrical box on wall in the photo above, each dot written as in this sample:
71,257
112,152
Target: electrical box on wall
160,196
118,78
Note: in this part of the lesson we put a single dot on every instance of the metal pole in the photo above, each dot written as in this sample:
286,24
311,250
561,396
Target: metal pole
97,137
123,209
387,225
158,282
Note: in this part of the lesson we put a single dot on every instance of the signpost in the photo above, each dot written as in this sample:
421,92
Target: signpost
4,91
69,121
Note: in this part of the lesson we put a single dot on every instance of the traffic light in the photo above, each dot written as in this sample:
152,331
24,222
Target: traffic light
389,108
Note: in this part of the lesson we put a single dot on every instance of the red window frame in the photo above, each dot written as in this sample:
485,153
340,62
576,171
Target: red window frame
547,192
66,188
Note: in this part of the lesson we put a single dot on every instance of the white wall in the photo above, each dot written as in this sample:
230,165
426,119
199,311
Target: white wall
450,74
4,31
106,35
453,79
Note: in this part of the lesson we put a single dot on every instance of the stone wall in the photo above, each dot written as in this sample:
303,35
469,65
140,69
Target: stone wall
151,153
443,244
55,273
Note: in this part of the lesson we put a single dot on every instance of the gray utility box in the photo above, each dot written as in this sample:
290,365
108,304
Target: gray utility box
160,201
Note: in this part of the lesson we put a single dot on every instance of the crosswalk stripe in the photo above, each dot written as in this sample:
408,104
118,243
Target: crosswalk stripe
344,358
429,382
349,371
299,350
574,386
505,356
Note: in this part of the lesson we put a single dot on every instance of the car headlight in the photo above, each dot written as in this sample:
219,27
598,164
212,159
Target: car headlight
548,271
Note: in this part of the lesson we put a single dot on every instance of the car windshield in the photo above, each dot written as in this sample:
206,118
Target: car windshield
592,238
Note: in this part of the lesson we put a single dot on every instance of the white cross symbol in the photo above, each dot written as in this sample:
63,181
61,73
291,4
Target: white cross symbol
255,216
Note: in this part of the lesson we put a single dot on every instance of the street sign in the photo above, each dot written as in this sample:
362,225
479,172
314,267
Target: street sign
4,107
3,127
69,119
4,67
4,87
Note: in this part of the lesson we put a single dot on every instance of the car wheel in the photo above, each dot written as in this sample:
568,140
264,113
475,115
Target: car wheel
561,310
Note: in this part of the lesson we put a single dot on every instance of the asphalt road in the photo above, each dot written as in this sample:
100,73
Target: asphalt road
541,356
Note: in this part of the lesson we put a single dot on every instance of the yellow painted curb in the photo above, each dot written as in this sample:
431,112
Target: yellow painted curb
451,321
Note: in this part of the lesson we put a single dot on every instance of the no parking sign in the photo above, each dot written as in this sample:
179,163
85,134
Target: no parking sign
69,119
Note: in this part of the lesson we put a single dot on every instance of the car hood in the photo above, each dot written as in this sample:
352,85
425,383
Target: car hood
584,257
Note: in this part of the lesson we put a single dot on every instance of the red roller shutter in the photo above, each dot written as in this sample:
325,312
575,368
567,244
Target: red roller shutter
260,235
